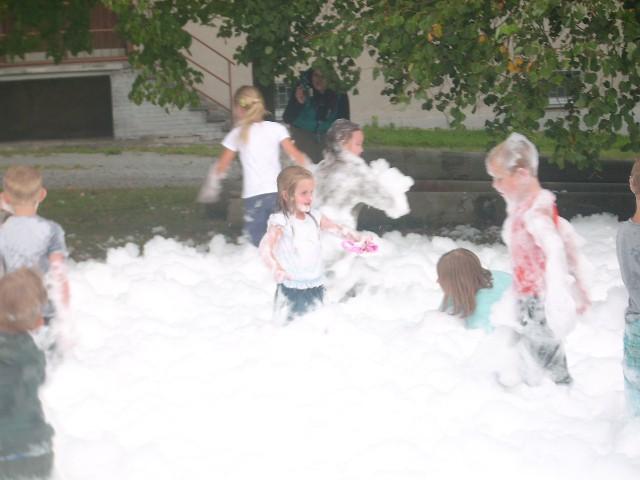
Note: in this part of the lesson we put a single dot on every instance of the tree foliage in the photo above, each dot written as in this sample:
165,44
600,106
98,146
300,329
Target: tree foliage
454,56
511,55
54,26
282,38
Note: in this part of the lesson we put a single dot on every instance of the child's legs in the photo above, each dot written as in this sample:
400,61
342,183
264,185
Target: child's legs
27,468
256,214
301,300
631,365
540,342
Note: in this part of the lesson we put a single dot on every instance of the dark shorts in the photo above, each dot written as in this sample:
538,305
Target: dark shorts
299,301
256,214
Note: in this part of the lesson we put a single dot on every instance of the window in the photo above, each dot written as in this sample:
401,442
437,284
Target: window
560,95
283,92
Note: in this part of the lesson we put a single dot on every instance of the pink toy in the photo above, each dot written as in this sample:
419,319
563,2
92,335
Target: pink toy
365,246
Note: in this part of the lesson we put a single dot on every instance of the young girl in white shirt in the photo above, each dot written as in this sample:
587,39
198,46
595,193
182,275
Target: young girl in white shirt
258,142
291,246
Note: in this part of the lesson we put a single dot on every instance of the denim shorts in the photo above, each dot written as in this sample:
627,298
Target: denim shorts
299,301
256,215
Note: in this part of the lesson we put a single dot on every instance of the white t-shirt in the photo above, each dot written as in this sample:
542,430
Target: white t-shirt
299,249
260,156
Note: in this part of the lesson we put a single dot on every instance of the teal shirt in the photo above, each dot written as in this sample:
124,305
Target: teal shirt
485,298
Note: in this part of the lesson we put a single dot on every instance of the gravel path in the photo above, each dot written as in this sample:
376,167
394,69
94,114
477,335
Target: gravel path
126,170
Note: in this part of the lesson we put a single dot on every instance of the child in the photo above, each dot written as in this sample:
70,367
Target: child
346,182
469,289
25,436
28,240
543,253
291,246
628,247
258,142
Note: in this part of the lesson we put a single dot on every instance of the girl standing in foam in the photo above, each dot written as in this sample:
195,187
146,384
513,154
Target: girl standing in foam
291,247
470,290
258,142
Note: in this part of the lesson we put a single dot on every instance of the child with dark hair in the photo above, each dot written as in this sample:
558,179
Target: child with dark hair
470,290
25,435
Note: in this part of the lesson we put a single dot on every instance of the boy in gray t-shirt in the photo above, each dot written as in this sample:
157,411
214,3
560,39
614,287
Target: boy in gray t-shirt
628,248
28,240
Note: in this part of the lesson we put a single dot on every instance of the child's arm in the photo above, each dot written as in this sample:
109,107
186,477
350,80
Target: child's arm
330,226
299,157
210,190
58,269
266,249
560,304
575,263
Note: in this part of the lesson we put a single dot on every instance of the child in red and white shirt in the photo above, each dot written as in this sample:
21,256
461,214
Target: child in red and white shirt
547,268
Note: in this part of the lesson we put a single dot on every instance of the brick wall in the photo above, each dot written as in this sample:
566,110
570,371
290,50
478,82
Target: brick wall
131,121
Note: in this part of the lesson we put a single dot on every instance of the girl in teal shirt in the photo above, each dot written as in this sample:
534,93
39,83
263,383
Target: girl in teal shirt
469,289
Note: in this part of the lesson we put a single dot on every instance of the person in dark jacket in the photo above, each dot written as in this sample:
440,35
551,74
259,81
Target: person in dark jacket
312,109
25,436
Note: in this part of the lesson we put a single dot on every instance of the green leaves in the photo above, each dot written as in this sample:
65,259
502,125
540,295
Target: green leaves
509,55
513,56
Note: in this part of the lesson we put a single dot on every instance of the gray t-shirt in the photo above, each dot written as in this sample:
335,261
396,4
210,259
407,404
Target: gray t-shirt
628,248
28,242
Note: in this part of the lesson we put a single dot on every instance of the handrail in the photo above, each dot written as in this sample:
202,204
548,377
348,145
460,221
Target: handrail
207,70
225,82
211,48
224,107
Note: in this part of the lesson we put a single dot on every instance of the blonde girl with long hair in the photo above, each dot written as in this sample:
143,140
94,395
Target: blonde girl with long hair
258,144
470,290
292,249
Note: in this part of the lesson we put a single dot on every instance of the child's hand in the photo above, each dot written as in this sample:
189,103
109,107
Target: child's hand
366,237
583,303
280,275
211,188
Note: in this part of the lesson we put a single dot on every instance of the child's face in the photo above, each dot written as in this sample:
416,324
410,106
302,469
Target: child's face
354,144
507,183
238,112
303,195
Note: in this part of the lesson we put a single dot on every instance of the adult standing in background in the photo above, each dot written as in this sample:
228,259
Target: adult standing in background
312,109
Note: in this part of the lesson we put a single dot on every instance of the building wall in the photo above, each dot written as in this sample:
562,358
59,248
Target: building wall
131,121
371,106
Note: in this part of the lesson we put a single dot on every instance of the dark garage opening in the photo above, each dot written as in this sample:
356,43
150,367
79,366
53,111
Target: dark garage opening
59,108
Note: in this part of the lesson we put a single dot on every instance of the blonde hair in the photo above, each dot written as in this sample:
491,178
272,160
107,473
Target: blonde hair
634,177
287,181
461,275
515,152
250,100
22,183
22,296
